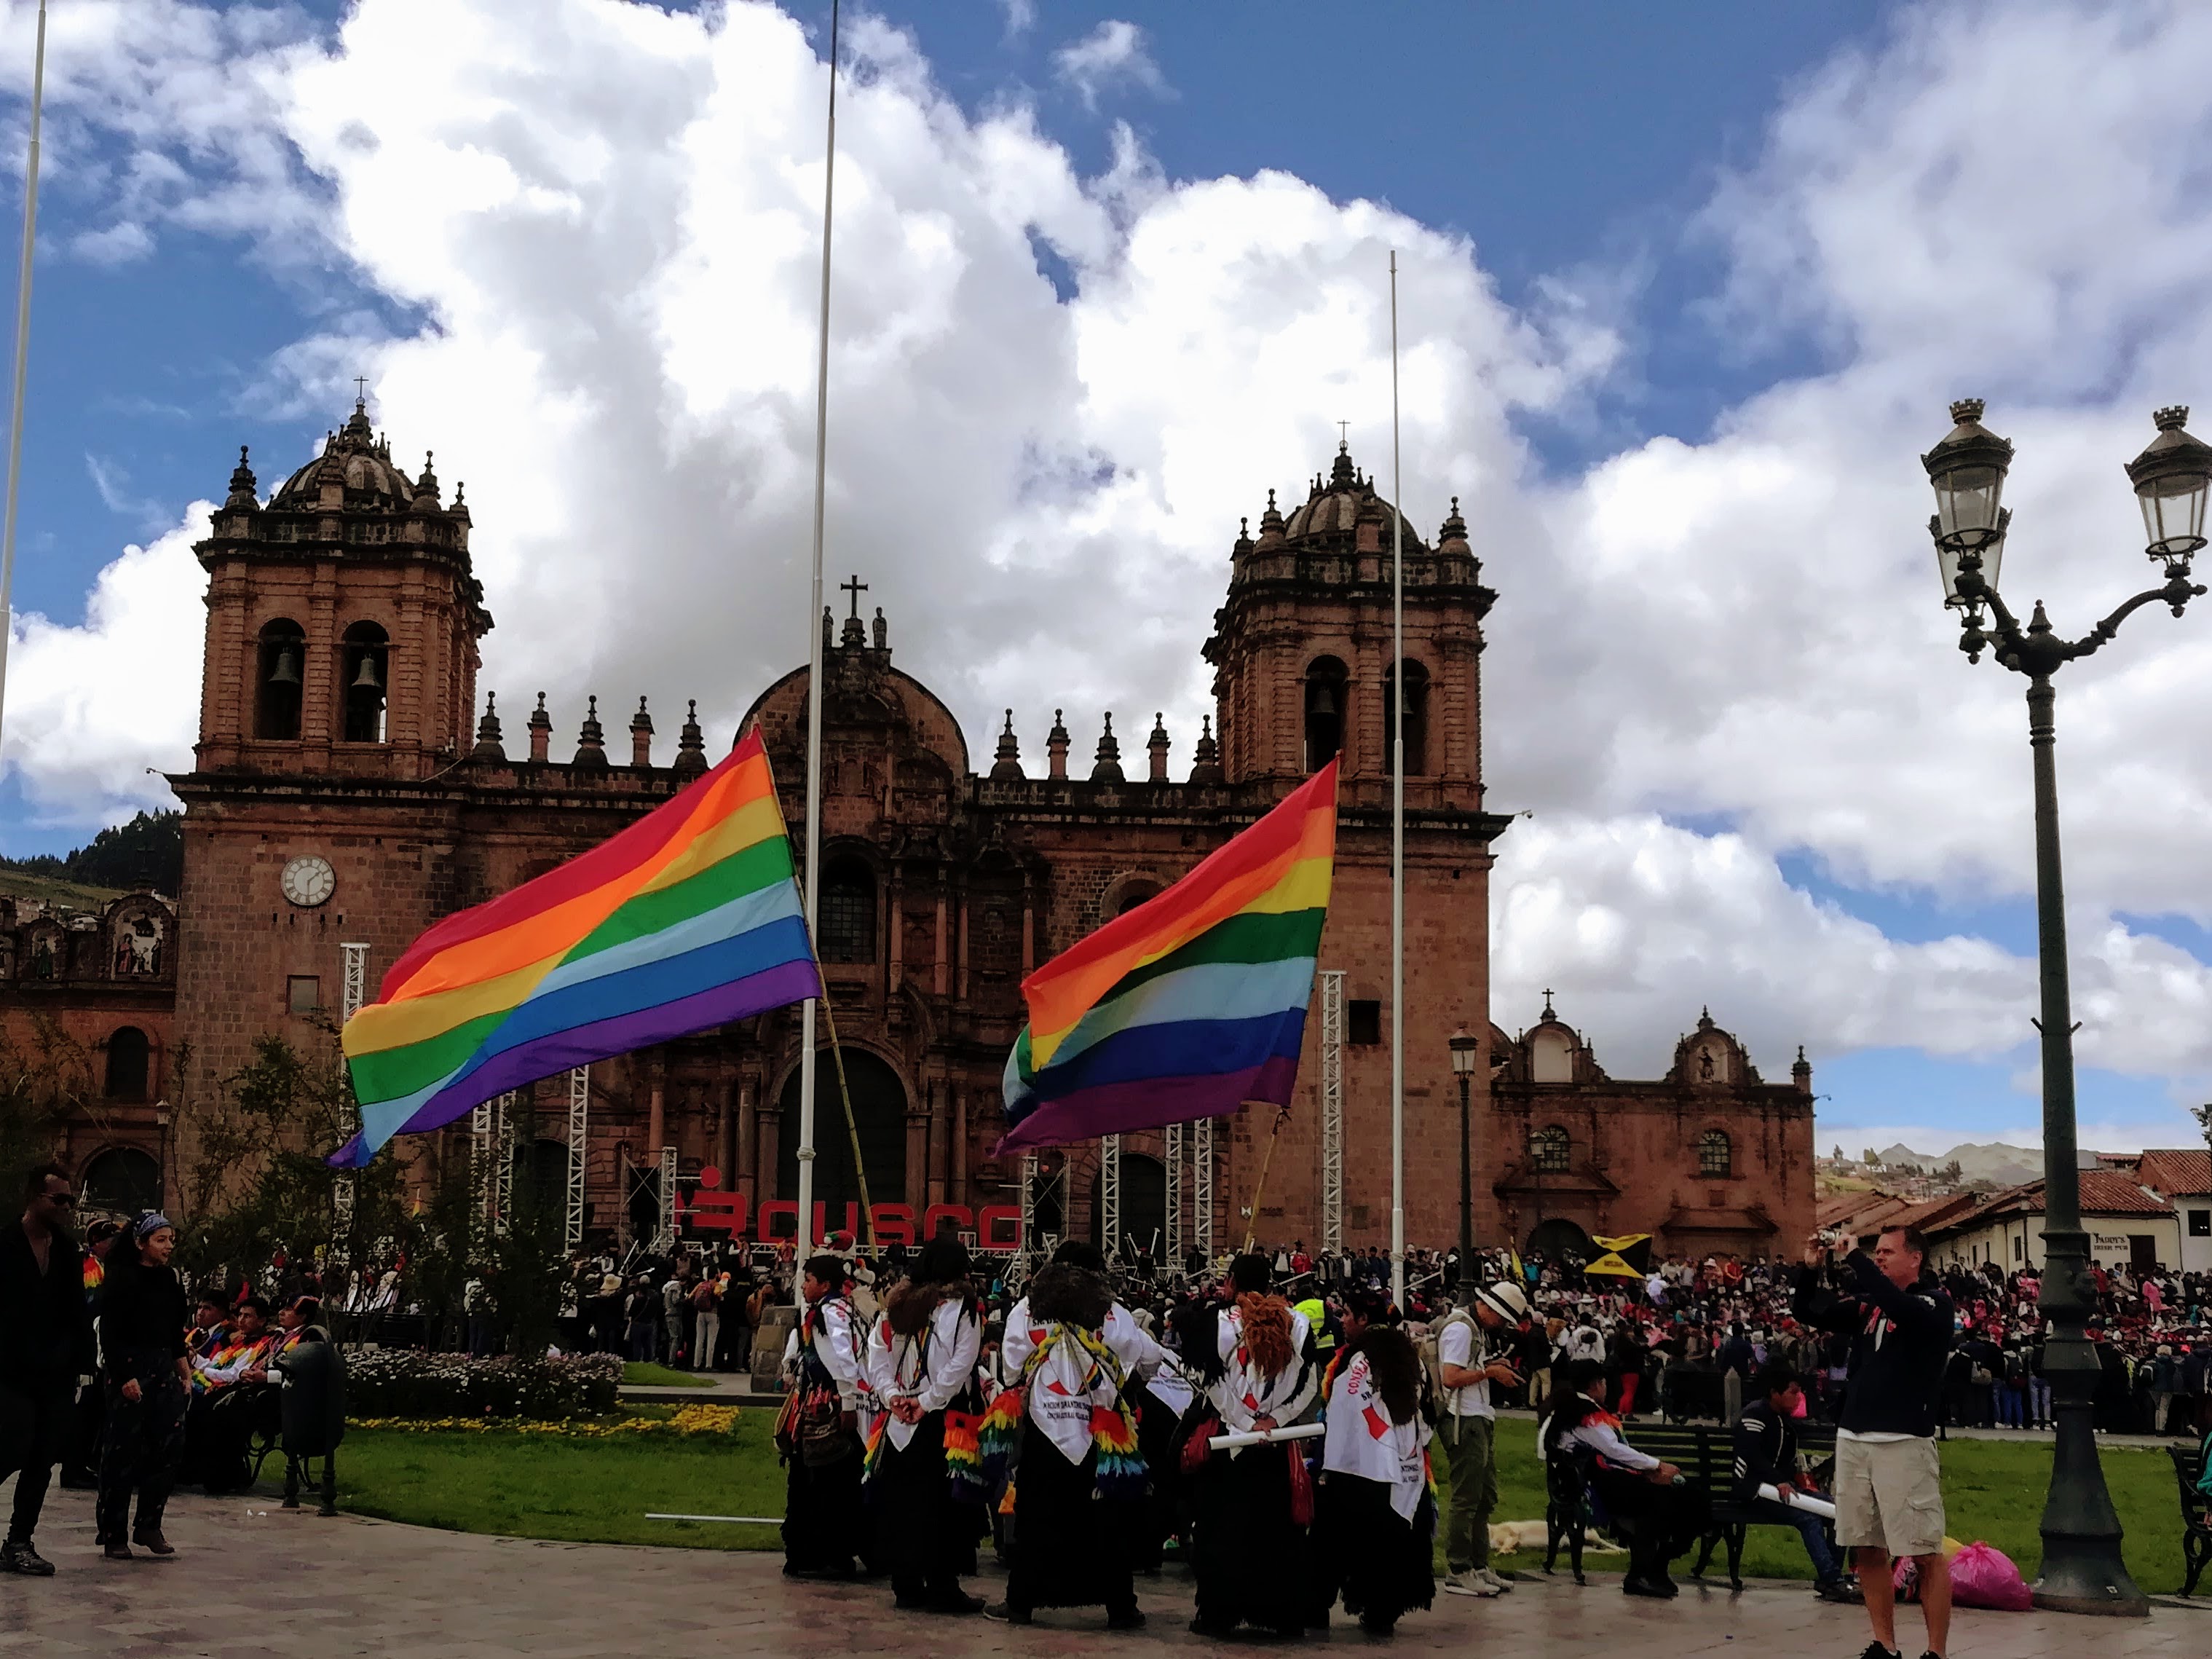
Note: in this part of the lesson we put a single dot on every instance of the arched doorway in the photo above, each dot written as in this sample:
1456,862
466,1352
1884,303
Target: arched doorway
1144,1206
123,1180
879,1114
1561,1240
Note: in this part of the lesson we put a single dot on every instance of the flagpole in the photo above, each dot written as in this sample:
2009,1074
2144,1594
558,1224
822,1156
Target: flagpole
806,1067
22,350
1397,826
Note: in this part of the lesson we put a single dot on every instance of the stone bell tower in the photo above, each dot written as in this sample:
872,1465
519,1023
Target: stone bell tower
342,619
1301,648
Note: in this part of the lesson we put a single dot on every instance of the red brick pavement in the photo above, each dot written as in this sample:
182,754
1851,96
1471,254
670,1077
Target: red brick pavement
251,1579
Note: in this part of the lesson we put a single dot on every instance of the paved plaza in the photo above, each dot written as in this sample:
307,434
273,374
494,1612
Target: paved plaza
251,1579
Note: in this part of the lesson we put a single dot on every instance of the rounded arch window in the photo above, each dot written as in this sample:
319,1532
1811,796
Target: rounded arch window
364,681
879,1108
845,922
1133,894
1417,719
1550,1148
1715,1154
129,1054
280,672
1327,681
123,1181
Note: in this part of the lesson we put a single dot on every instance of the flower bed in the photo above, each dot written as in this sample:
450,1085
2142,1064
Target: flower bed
689,1420
399,1383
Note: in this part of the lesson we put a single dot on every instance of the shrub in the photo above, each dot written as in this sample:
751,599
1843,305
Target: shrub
399,1383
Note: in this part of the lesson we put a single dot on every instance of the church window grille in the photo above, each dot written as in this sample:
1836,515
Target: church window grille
1715,1154
1550,1149
845,923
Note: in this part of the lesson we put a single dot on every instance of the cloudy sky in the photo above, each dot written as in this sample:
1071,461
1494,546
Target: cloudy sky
1680,305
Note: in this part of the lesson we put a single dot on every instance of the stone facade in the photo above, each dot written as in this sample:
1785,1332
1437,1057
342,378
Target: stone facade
338,796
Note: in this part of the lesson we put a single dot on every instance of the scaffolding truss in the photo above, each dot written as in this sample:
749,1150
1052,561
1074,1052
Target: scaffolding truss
664,1236
580,1132
1331,1111
1171,1137
1201,1185
480,1166
353,992
507,1130
1110,1195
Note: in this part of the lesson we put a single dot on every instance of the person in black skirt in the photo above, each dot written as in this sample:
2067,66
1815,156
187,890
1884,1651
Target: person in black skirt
141,1339
921,1360
1374,1524
1251,1509
1080,1480
1662,1511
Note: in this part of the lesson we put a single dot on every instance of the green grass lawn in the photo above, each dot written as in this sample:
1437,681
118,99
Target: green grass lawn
637,1375
599,1491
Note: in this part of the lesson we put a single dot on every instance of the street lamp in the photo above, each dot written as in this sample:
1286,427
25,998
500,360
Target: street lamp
1464,1043
2081,1568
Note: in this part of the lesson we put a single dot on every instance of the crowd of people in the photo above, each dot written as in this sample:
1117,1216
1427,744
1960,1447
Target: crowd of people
131,1387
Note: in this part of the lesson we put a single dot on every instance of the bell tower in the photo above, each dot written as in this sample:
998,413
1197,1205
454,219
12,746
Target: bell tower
1301,648
342,619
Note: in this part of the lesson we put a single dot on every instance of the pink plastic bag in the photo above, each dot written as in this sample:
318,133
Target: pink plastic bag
1982,1576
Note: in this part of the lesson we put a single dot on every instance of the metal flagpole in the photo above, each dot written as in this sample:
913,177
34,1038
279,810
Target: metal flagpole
814,665
23,352
1397,826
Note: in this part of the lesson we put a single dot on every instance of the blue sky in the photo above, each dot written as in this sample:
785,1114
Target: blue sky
1657,265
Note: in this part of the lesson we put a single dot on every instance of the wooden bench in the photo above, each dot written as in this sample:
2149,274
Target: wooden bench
1704,1454
2196,1513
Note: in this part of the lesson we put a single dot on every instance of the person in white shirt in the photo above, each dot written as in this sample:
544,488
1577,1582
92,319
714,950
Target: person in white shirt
1251,1555
922,1352
1466,1364
1079,1357
820,1432
1663,1513
1374,1524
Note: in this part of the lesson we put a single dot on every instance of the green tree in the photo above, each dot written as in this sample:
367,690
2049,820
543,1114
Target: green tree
147,852
44,1081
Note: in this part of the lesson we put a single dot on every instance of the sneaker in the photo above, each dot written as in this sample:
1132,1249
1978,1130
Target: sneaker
1501,1586
1658,1589
21,1558
1876,1651
1004,1613
1470,1582
1218,1629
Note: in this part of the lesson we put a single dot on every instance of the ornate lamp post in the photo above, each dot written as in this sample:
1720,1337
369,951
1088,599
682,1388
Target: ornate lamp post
2081,1567
1464,1043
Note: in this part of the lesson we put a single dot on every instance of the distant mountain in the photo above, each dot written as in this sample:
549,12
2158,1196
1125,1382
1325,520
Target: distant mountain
1996,1162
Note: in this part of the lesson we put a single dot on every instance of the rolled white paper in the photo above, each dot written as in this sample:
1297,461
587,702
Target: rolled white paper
1261,1437
1798,1500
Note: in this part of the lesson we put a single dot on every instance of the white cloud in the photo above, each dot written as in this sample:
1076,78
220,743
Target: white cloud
1021,16
1113,54
609,218
90,707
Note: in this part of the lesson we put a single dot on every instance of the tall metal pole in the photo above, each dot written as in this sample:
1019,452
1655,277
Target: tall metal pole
2082,1571
814,664
1397,826
22,361
1466,1279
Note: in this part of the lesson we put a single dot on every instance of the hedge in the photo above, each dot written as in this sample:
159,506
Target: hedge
397,1382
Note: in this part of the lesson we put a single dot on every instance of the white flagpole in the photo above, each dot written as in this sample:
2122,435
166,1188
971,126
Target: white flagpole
1397,827
814,667
22,350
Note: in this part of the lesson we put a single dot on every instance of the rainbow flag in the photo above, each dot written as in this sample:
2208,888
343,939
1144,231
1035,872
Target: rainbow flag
1192,1004
687,919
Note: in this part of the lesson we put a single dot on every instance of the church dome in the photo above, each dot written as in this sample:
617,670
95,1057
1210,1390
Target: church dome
357,462
1340,505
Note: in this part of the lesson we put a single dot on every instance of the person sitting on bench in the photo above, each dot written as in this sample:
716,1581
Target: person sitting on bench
1767,1453
1662,1513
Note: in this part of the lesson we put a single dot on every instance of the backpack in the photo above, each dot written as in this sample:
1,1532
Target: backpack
1440,1397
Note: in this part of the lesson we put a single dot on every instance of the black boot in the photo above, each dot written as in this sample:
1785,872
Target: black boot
18,1556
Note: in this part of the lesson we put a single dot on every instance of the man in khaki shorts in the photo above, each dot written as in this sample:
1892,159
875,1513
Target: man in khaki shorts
1889,1494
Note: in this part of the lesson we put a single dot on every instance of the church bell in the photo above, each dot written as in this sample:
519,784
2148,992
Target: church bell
1324,699
368,679
287,671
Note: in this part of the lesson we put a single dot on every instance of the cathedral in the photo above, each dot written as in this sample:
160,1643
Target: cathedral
352,783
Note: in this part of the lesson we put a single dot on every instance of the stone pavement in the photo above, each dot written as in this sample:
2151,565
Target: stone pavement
251,1579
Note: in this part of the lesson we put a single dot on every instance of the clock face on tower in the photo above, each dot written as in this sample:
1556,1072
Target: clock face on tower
309,881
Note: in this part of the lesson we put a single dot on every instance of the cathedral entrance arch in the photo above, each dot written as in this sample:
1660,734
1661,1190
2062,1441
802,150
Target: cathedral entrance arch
878,1113
1144,1206
1561,1240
